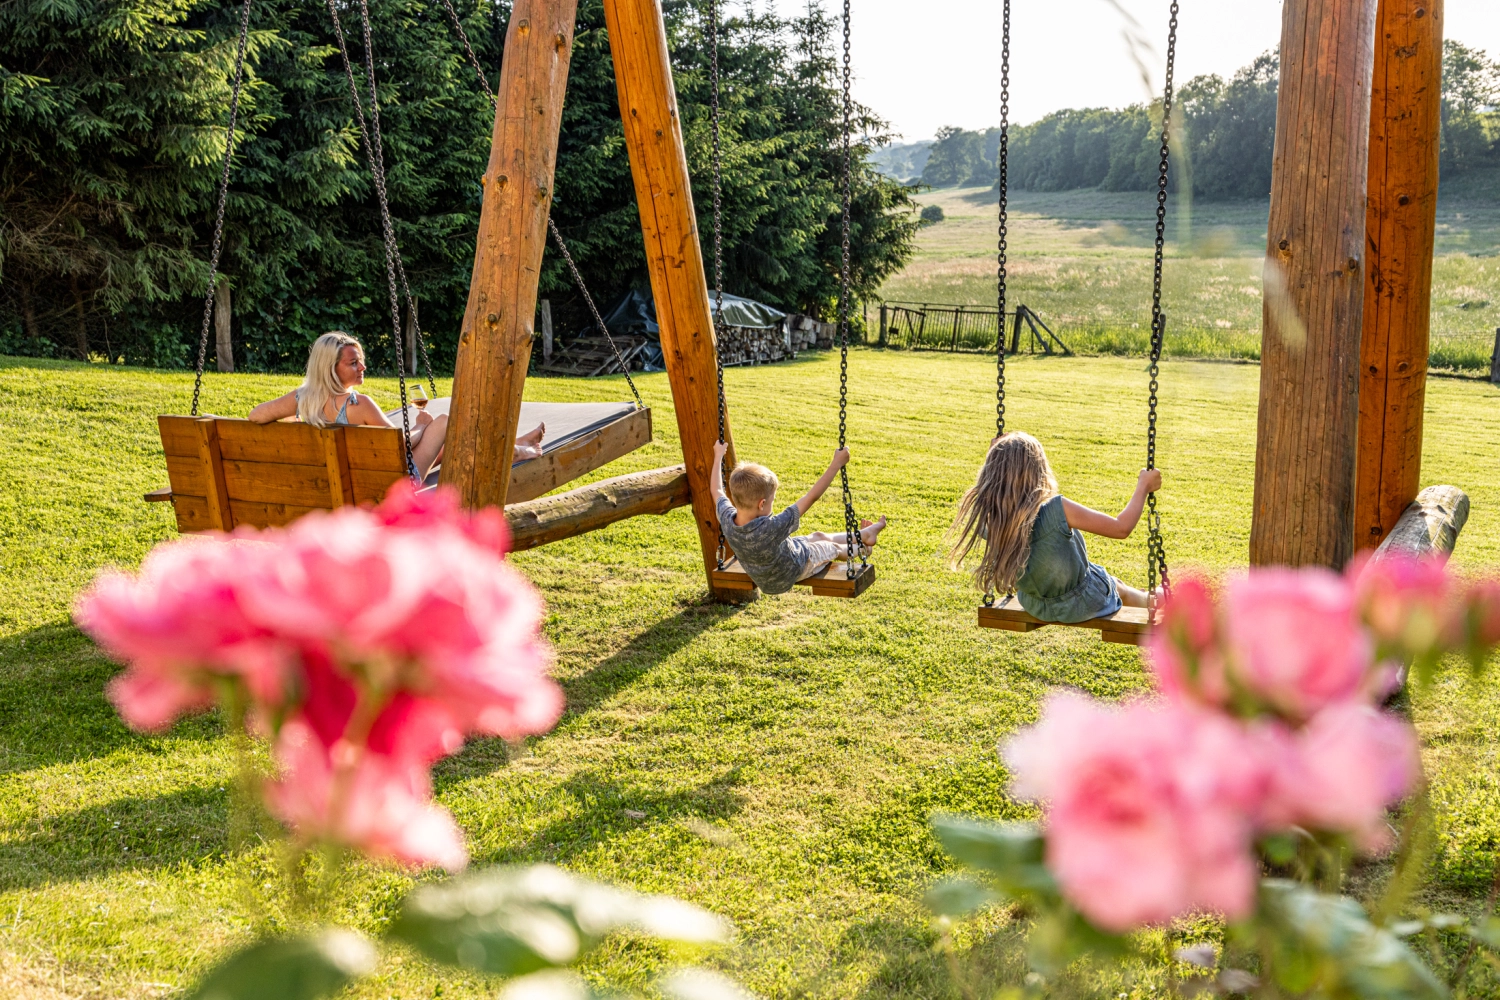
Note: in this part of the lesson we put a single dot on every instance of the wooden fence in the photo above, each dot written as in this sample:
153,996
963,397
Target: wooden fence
923,326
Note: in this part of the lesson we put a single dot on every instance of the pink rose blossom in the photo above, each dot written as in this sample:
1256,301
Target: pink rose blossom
1294,640
1404,600
1185,651
386,808
1340,772
1481,604
1147,808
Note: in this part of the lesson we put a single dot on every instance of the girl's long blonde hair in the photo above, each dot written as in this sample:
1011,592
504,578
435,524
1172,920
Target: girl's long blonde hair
322,383
1001,508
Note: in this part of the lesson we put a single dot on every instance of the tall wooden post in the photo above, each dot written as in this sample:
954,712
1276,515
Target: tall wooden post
495,345
663,192
1309,376
1405,104
223,316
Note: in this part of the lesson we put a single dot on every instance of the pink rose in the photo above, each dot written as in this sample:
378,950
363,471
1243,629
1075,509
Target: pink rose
1481,614
1185,650
1340,772
384,806
1405,601
1147,808
1294,640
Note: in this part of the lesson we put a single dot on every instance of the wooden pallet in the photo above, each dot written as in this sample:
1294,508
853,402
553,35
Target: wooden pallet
1129,626
589,356
832,582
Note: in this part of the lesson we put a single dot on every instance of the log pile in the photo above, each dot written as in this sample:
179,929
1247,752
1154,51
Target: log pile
808,334
749,345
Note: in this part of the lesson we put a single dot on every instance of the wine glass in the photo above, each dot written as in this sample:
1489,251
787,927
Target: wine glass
419,396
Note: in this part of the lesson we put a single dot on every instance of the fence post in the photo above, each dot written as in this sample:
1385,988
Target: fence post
958,312
1495,358
882,324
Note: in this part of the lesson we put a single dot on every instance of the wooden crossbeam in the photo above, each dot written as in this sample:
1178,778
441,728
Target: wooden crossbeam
589,508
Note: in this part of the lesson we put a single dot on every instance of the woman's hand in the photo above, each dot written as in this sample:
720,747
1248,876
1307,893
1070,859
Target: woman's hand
1149,480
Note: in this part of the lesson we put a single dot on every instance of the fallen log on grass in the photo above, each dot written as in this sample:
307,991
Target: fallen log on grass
588,508
1430,526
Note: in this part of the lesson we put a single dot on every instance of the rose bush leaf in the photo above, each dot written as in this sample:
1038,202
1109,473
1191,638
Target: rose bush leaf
957,897
300,968
514,921
1010,852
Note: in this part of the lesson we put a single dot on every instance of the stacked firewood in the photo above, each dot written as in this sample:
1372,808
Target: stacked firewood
746,345
808,334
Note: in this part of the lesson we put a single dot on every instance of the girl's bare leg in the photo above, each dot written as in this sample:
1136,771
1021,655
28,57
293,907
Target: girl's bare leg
1132,598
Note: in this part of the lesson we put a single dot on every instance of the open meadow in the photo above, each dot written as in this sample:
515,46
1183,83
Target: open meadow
1083,259
775,763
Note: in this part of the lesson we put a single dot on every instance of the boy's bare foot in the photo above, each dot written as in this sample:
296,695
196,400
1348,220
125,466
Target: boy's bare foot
869,531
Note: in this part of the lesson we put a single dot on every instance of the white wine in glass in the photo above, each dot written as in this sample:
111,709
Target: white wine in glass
419,396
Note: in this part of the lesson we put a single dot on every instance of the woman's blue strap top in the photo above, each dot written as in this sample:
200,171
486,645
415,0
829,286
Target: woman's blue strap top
342,417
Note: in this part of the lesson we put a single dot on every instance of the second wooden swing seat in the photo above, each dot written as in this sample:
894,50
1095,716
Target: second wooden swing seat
1128,626
832,582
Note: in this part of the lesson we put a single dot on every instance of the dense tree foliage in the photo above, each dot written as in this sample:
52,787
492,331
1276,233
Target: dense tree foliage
111,139
1226,132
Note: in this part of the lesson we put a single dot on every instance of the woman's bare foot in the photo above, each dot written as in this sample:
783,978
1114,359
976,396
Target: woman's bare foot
869,531
529,445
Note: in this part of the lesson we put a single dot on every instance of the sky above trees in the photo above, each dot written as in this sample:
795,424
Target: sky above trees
935,63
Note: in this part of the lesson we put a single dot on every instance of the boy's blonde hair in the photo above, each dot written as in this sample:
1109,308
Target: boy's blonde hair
1001,508
749,484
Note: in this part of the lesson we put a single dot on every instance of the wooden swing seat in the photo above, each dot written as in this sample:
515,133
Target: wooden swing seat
1129,626
832,582
228,472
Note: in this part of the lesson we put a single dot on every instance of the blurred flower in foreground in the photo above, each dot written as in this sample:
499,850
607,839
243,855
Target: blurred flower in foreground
366,643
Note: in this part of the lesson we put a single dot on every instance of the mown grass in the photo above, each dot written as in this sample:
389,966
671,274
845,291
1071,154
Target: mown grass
1082,259
775,763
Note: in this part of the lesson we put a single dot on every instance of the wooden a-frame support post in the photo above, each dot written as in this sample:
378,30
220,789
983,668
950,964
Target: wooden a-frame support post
495,345
1307,427
674,256
1405,104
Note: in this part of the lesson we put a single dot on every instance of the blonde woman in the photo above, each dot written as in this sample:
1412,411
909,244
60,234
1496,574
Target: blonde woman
335,365
1030,538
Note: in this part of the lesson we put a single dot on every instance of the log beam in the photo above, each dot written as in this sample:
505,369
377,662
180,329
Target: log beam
1307,426
588,508
1430,525
1405,106
494,347
674,256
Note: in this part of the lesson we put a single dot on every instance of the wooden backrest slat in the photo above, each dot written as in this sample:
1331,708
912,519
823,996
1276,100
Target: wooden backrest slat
179,436
278,482
285,443
370,485
377,449
185,474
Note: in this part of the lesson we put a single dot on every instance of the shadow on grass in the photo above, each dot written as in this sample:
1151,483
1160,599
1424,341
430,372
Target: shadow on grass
126,834
52,704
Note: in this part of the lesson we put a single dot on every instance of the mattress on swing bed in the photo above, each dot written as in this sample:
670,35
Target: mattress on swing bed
1129,626
229,472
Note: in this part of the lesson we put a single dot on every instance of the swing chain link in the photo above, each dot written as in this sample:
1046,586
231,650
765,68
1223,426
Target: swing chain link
594,311
718,201
1000,271
851,519
371,135
463,37
1156,553
218,243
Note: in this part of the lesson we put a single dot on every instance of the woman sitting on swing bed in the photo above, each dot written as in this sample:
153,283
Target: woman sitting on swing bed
335,365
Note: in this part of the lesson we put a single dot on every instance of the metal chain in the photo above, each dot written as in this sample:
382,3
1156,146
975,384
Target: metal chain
598,320
718,191
463,36
1003,162
1156,553
373,145
213,256
851,519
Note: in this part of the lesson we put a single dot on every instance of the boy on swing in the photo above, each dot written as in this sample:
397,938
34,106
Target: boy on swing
763,543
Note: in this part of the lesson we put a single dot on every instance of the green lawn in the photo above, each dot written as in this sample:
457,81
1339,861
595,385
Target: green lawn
1082,259
785,755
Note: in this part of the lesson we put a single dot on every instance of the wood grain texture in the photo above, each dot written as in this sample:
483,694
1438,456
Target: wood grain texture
336,462
832,582
1400,222
215,478
1309,378
375,448
287,442
495,342
674,260
1430,525
542,475
274,482
192,514
179,436
588,508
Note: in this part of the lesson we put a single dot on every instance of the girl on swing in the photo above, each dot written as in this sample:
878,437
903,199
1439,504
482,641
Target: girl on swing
335,365
1030,535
